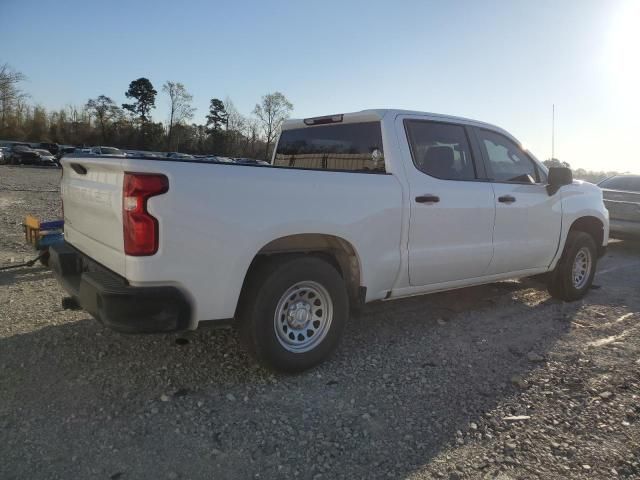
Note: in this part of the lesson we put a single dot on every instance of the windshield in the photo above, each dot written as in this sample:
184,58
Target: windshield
355,147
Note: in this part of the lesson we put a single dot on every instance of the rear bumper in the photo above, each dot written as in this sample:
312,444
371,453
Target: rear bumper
110,299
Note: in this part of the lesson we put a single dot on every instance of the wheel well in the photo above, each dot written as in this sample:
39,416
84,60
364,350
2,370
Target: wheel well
593,226
335,250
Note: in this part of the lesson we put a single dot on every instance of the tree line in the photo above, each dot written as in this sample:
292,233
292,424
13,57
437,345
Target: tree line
101,121
130,125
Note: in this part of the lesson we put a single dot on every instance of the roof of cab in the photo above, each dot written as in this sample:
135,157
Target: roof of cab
378,114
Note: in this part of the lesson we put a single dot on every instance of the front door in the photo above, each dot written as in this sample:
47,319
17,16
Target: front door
452,207
528,219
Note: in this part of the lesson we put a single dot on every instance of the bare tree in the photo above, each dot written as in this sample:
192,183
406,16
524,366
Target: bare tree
234,126
10,93
180,109
105,111
251,133
271,112
235,120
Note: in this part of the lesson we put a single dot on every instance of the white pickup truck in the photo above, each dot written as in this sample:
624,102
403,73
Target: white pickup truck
354,208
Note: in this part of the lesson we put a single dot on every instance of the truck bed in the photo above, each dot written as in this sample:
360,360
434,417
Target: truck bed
216,217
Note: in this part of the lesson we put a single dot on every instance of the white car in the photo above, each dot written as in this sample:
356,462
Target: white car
108,152
356,207
82,151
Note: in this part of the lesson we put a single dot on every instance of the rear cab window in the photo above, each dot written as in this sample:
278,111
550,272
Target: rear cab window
350,147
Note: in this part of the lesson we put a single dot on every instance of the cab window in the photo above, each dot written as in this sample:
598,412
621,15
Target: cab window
506,161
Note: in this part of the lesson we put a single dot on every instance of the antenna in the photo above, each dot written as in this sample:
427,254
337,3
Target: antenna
553,130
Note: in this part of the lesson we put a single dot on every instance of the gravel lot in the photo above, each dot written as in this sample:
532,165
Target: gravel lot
498,381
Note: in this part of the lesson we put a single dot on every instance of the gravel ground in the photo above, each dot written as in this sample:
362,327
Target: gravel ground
498,381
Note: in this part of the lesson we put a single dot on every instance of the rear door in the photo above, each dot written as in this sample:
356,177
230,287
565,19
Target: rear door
92,198
452,207
528,220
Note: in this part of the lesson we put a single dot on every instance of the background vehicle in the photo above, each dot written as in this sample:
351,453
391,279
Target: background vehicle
52,148
2,155
63,150
46,157
211,158
151,155
20,154
108,152
355,208
622,199
133,153
250,161
179,156
9,144
81,150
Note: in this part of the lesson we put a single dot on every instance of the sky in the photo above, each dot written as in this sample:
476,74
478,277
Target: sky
503,62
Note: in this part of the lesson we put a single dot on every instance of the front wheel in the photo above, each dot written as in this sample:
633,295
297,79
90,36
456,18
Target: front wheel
573,275
293,312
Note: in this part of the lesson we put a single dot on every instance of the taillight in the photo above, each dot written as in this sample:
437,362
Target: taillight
140,227
324,120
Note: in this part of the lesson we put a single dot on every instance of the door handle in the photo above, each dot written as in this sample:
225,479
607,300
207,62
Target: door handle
507,199
428,199
79,169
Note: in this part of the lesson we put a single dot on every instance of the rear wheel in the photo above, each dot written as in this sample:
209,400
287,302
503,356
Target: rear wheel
573,275
292,312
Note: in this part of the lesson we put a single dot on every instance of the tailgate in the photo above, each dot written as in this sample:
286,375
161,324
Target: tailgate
92,198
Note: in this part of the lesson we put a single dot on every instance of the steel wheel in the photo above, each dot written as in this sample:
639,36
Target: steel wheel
581,268
303,317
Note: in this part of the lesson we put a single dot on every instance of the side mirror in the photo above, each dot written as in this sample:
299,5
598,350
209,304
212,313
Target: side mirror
558,177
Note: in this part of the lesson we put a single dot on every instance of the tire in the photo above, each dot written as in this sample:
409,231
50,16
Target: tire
292,312
563,284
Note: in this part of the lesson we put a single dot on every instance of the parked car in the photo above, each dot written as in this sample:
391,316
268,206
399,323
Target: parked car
46,158
108,152
3,157
250,161
9,144
179,156
143,154
151,155
64,150
357,207
52,148
622,199
19,154
212,158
